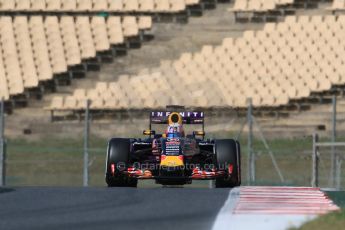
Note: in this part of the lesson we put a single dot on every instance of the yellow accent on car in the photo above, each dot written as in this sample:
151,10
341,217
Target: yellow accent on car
175,118
172,161
149,132
199,133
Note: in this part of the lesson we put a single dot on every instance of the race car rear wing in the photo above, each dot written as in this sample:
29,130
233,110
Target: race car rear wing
189,117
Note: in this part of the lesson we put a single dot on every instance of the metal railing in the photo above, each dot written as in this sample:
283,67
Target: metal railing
335,178
2,144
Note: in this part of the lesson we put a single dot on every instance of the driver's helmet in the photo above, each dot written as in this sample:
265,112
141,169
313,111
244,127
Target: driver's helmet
175,127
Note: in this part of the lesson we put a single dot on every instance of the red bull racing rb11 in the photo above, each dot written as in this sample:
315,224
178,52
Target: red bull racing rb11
172,157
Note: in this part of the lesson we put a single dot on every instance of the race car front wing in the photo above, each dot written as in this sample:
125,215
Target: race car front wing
197,174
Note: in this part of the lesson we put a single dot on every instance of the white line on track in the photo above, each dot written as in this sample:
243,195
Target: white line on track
276,208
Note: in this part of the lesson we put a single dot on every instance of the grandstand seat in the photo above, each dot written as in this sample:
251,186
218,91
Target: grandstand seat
8,5
38,5
55,45
192,2
57,103
268,5
130,26
84,5
4,88
240,5
101,87
22,5
95,98
99,5
116,5
70,103
68,5
338,5
162,6
131,5
53,5
85,37
145,22
99,31
40,48
177,5
114,28
71,44
146,5
80,94
254,6
10,57
25,53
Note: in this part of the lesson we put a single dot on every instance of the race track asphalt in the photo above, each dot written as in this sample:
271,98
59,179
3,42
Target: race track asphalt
109,208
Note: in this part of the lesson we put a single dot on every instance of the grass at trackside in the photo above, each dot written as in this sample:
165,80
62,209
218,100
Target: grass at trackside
332,221
338,197
60,161
53,162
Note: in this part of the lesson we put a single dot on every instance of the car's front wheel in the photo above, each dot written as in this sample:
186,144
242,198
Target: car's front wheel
228,155
117,161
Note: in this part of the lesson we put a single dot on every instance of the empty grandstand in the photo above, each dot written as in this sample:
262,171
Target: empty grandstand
35,49
97,5
283,62
279,65
256,10
269,10
43,45
338,6
114,7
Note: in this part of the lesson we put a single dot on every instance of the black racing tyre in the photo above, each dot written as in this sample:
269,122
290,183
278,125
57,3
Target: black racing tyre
228,152
118,154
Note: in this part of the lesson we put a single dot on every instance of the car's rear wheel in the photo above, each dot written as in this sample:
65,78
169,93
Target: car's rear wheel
228,155
118,156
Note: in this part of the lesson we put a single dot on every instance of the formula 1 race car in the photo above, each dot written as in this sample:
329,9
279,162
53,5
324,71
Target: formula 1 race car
171,157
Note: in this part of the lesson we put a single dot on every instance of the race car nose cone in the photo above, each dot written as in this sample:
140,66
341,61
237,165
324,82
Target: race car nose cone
172,161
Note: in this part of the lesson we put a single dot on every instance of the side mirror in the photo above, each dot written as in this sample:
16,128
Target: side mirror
199,133
149,132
